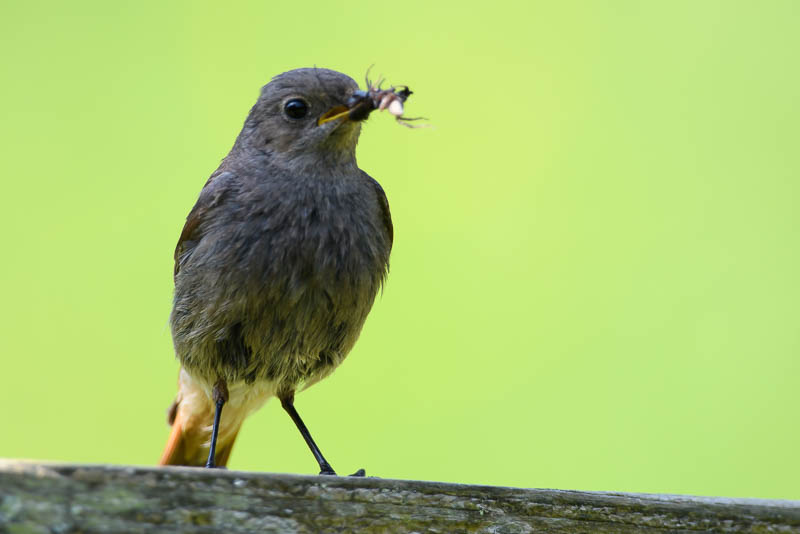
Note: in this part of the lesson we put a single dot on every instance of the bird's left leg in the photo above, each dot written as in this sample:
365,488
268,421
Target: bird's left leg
287,401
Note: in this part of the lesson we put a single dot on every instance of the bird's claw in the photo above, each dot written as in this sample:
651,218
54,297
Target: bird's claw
328,471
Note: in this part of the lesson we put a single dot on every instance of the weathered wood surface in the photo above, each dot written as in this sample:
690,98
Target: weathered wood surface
57,498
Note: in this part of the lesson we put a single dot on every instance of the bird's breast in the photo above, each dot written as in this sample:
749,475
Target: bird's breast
287,282
315,237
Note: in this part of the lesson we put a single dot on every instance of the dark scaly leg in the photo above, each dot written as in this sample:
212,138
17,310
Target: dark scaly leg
287,401
220,395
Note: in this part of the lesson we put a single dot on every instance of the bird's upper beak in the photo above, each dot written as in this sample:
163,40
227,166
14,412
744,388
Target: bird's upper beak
336,112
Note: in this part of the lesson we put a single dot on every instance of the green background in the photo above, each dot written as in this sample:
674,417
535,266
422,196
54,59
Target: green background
595,276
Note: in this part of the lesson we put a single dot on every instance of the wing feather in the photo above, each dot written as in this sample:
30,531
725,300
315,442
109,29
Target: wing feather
210,197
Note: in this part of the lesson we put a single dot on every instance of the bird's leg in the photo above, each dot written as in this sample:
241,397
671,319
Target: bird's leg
220,396
287,401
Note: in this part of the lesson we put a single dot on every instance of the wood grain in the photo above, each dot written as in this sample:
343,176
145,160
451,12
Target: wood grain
66,498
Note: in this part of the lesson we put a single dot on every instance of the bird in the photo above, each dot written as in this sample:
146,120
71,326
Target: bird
277,266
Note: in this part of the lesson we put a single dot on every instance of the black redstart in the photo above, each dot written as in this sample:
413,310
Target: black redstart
278,264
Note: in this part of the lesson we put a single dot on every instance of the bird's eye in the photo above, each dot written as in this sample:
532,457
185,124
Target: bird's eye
296,108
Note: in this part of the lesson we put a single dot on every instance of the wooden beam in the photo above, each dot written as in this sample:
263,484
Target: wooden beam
67,498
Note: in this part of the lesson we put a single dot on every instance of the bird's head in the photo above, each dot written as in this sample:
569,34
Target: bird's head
301,118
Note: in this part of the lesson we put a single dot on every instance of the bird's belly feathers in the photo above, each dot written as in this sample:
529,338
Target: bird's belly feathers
289,305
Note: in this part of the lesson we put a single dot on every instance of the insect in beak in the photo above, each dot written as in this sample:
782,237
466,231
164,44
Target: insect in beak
363,102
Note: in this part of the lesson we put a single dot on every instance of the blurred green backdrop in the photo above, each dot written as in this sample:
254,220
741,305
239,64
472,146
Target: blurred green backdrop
595,276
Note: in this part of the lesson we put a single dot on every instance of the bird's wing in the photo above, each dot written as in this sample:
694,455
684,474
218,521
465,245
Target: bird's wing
384,204
209,198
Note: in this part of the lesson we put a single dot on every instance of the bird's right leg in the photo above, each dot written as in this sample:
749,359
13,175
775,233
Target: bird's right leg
220,397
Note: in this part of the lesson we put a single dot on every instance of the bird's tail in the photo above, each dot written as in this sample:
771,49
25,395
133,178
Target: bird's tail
191,417
189,446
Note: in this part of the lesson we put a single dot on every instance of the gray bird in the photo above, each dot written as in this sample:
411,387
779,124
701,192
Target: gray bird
277,266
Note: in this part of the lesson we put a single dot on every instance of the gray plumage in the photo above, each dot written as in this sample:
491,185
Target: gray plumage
283,254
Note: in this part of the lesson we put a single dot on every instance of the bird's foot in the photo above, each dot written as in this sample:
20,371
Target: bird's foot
212,466
326,469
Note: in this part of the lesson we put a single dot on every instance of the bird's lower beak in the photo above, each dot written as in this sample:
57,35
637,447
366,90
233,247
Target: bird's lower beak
332,114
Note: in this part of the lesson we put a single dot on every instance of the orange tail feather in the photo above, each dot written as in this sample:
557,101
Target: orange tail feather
189,446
